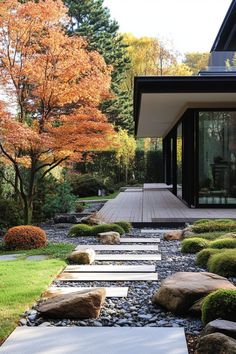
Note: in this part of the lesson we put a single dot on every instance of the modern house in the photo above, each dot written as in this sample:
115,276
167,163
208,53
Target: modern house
196,118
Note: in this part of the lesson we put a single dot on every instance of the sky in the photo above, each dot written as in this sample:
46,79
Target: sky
190,25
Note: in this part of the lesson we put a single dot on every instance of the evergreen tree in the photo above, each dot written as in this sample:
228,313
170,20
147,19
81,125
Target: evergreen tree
89,18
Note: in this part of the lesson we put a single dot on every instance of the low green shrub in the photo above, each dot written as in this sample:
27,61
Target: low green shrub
125,225
204,255
208,236
223,263
224,243
106,228
214,225
219,304
194,245
80,230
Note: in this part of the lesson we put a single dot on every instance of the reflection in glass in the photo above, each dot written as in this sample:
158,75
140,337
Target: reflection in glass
217,157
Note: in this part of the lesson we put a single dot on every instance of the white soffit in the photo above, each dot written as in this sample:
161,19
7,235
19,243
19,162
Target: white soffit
160,111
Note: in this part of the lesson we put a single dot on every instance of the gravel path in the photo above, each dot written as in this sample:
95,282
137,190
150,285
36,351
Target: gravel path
136,310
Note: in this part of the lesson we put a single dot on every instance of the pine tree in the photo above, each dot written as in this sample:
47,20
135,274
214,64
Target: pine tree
92,20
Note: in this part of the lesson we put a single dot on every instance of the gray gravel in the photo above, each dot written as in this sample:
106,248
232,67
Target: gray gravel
137,309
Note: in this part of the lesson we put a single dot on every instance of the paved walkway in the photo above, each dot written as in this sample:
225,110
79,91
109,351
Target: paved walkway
155,203
95,340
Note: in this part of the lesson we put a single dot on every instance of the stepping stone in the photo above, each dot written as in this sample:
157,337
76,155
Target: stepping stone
95,340
127,257
155,231
10,257
110,292
118,247
108,276
139,240
110,268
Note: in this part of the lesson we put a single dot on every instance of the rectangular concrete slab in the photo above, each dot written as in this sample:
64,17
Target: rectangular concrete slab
139,240
118,291
127,257
108,276
95,340
110,268
155,231
118,247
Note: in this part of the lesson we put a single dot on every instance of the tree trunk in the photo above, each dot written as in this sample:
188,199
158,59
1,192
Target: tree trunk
28,212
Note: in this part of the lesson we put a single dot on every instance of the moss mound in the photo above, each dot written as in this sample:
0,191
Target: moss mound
106,228
80,230
87,230
224,243
125,225
215,225
223,263
194,245
204,255
219,304
211,236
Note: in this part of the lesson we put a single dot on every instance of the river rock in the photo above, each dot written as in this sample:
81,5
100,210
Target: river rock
109,238
91,220
222,326
181,290
82,256
173,235
78,305
216,343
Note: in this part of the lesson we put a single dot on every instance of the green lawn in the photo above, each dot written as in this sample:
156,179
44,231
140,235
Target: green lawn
109,196
22,282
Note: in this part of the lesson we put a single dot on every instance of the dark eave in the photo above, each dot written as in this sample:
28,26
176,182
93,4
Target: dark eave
179,84
226,37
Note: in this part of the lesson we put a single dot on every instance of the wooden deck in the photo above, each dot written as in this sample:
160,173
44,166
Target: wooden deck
158,205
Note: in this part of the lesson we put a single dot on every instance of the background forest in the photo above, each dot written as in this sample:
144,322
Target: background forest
34,189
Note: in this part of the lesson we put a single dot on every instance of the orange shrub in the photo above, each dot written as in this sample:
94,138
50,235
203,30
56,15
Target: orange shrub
25,237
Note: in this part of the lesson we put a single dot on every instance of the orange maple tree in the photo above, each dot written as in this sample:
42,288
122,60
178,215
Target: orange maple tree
56,85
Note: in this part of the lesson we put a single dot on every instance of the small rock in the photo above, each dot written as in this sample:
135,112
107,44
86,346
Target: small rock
173,235
216,343
109,238
82,256
222,326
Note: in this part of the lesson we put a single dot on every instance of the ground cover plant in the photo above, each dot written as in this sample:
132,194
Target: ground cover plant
87,230
23,281
219,304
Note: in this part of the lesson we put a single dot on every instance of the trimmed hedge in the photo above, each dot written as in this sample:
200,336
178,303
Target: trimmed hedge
204,255
25,237
219,304
125,225
87,230
224,243
223,263
194,245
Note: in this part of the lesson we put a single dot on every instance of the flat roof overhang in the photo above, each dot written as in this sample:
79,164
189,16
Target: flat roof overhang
160,101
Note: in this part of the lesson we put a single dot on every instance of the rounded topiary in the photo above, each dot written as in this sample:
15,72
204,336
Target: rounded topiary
106,228
219,304
224,243
25,237
194,245
125,225
204,255
223,263
80,230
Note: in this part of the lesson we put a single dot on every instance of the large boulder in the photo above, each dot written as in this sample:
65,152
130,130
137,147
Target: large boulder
65,219
78,305
91,220
173,235
222,326
109,238
216,343
82,256
181,290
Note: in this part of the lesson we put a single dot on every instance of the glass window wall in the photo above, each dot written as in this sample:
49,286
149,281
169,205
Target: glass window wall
217,157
